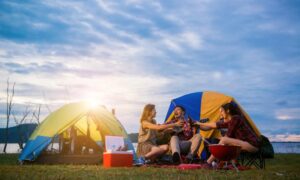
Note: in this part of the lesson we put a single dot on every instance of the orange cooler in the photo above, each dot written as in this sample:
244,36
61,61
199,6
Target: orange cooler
117,159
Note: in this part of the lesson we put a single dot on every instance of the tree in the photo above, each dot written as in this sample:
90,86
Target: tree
19,123
9,104
36,114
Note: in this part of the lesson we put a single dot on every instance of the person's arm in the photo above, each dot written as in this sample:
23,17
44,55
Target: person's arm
207,126
149,125
197,124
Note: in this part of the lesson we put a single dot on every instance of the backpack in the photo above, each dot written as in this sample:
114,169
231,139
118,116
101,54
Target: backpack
266,147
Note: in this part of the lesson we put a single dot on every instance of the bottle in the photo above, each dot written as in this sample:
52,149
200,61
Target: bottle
204,120
190,121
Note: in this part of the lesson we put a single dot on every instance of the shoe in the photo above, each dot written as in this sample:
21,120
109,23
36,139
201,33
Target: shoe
176,158
189,158
140,161
165,159
207,166
215,165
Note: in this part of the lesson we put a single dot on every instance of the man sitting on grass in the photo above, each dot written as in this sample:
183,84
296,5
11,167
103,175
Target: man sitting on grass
185,141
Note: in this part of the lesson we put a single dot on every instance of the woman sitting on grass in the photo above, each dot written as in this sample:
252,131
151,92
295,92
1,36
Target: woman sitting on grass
147,148
239,132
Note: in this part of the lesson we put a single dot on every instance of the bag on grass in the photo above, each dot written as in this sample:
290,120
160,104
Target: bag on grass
266,147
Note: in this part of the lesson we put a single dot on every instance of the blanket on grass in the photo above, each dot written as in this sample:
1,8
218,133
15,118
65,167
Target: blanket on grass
199,166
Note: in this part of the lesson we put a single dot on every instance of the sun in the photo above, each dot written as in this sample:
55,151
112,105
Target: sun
92,100
92,103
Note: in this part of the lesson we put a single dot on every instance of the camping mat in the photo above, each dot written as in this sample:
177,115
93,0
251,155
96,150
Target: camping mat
196,166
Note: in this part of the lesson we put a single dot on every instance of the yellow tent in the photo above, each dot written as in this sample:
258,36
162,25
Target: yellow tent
95,122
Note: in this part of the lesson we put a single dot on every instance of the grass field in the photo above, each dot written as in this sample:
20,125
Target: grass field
283,166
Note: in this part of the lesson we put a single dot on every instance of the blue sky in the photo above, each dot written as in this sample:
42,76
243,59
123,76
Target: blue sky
126,54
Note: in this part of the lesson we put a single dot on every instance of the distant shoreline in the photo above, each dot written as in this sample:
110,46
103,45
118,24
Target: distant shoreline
285,141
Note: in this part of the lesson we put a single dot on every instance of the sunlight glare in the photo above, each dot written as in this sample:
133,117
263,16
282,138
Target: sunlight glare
92,103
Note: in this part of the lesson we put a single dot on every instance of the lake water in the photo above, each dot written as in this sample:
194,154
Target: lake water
286,147
279,147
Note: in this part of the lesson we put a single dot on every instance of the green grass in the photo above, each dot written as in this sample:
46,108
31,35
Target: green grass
283,166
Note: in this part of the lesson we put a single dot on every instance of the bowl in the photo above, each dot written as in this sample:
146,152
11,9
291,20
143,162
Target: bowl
224,152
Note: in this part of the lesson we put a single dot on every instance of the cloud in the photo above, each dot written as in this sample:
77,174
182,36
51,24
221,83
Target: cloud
26,68
130,53
278,27
15,67
181,42
284,138
250,9
2,52
288,114
192,40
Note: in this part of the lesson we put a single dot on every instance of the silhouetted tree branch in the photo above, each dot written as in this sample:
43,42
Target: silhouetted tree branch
9,105
19,123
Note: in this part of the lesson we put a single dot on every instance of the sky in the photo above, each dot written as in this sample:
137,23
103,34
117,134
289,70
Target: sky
125,54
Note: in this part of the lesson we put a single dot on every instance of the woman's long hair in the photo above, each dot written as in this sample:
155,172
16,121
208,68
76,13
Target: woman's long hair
231,109
147,112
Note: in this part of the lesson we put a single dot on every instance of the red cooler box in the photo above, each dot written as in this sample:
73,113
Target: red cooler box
114,158
117,159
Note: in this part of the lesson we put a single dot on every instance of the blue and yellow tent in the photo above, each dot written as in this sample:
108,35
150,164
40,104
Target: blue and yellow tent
202,105
101,123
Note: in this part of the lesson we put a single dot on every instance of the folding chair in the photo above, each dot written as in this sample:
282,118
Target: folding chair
252,159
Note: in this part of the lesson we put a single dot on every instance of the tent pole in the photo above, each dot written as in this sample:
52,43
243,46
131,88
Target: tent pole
73,139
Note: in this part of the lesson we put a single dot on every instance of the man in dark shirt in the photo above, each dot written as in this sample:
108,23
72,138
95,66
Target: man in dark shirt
185,140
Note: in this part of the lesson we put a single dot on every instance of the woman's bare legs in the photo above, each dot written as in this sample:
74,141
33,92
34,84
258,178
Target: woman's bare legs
245,146
157,151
